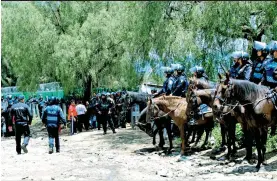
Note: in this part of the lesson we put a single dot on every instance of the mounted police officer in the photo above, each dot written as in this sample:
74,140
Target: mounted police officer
199,72
260,62
52,116
168,83
22,116
104,110
245,67
181,83
270,73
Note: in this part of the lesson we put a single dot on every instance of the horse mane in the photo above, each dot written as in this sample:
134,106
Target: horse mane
248,91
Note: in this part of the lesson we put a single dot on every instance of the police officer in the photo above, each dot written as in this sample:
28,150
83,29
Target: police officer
260,62
181,83
168,83
270,73
199,73
120,109
245,67
8,119
22,116
52,116
104,110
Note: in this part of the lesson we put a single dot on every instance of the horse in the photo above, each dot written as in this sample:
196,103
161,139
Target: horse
228,126
195,98
251,102
173,106
131,98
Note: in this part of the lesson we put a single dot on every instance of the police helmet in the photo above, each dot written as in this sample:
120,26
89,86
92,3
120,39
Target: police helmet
240,54
168,70
9,96
103,94
198,70
178,67
108,94
260,46
52,100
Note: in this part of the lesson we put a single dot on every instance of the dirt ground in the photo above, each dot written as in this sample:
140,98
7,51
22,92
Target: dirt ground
127,155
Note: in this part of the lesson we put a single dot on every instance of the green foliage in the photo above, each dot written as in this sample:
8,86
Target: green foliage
75,42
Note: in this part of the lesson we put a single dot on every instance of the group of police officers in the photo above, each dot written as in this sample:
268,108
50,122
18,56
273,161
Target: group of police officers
109,107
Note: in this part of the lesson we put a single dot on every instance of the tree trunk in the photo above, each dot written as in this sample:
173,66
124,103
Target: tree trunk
87,90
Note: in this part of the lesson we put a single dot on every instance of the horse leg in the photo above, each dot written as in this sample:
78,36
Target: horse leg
182,134
161,144
194,132
154,136
248,141
233,137
263,142
168,130
259,148
223,135
200,132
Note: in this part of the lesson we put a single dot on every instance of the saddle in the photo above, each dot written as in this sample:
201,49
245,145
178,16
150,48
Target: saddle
203,109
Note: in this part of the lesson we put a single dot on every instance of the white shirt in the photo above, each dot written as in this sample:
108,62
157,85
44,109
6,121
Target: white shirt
81,109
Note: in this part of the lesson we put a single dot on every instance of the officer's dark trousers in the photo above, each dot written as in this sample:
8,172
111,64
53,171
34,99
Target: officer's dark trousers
81,121
104,118
53,134
98,119
21,129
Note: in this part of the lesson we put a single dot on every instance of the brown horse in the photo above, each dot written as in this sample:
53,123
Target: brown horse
227,122
249,100
195,98
175,107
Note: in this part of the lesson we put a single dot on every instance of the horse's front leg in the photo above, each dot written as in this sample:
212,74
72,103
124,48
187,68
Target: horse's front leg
263,143
259,148
154,136
182,134
168,130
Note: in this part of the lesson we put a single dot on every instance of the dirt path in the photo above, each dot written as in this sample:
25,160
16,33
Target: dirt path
127,155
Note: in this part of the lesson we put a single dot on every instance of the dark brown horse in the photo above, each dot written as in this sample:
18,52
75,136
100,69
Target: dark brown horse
157,126
227,122
248,100
195,98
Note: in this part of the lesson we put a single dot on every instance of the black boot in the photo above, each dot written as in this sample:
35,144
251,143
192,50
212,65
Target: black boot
50,150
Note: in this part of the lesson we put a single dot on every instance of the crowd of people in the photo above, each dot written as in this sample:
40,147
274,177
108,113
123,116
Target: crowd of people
108,108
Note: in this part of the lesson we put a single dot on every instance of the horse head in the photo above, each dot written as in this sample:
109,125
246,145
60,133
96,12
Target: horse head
152,111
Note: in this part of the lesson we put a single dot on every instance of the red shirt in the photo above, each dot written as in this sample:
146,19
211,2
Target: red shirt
71,111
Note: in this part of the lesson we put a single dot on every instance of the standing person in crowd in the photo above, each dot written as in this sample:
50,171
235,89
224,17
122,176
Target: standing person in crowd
72,116
81,113
22,116
104,111
52,117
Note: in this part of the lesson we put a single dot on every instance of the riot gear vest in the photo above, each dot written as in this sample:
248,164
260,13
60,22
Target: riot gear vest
268,76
